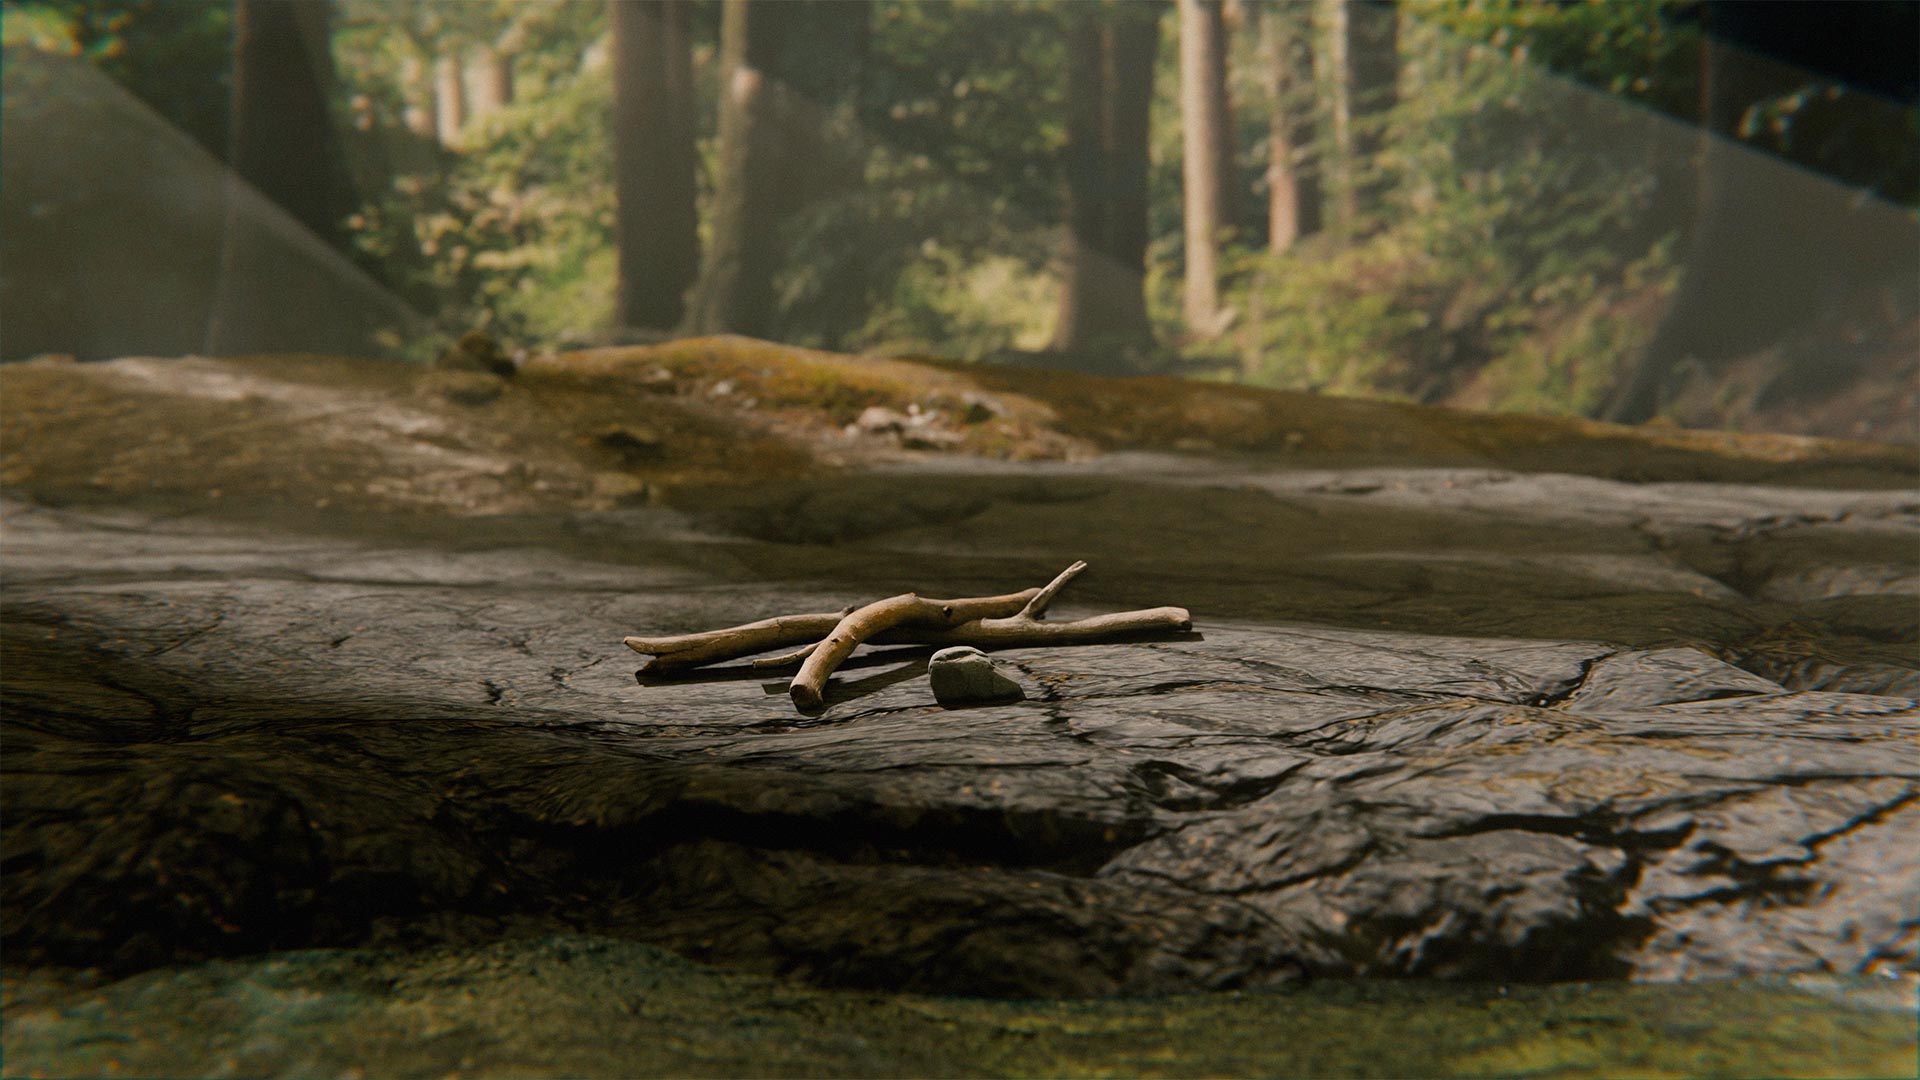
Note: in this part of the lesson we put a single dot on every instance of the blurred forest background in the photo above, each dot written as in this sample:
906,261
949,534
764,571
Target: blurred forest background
1618,208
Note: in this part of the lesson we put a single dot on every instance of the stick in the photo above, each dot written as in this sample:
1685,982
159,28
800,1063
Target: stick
1013,619
1017,631
682,651
809,685
1037,607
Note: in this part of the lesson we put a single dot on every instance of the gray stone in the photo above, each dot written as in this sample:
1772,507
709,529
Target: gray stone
963,675
225,738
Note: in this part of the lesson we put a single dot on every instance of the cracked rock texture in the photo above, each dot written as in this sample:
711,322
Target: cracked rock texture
1468,721
225,737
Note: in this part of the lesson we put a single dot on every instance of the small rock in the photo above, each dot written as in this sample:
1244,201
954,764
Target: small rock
633,442
930,438
621,489
880,420
963,675
978,408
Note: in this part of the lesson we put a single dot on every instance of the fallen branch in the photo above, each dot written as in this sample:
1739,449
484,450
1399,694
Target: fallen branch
808,686
1036,608
907,619
682,651
1017,631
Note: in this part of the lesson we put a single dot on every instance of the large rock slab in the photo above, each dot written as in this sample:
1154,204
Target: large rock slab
226,737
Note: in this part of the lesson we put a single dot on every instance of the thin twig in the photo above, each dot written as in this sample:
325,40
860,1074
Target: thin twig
785,660
1017,631
682,651
1037,607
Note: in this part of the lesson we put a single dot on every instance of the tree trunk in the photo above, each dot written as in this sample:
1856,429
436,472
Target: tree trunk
1357,68
1331,41
489,82
449,100
784,69
1373,65
1103,310
283,144
655,159
283,139
418,114
1205,130
1293,191
736,284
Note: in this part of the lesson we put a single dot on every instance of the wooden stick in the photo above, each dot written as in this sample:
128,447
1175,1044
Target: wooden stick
1037,607
1013,619
786,660
1017,631
694,650
809,686
682,651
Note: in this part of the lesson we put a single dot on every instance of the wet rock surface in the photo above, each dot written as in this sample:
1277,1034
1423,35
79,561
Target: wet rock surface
225,737
294,659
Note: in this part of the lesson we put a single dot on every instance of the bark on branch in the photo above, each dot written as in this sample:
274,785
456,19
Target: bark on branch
907,619
682,651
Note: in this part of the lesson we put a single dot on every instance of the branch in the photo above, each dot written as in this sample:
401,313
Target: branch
682,651
1019,630
881,615
1037,607
827,640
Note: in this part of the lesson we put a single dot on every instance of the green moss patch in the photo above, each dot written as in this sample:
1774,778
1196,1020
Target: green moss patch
583,1006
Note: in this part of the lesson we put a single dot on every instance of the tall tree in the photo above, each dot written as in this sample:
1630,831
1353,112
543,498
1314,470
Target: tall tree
282,138
489,80
1358,67
449,99
416,87
1373,65
655,157
1207,157
786,71
1286,61
1109,88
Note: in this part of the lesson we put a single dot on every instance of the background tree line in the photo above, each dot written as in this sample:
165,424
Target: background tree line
1469,201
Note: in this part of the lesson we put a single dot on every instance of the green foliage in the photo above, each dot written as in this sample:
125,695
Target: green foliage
513,237
970,91
1642,50
1512,266
973,309
942,247
510,230
1572,359
175,55
1514,261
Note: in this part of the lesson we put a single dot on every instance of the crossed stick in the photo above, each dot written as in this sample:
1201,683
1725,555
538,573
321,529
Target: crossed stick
908,619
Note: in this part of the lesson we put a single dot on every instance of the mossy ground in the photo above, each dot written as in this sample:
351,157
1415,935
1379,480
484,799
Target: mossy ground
585,1006
608,427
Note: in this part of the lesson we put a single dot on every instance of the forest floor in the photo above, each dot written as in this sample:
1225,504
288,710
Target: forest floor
605,427
316,716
